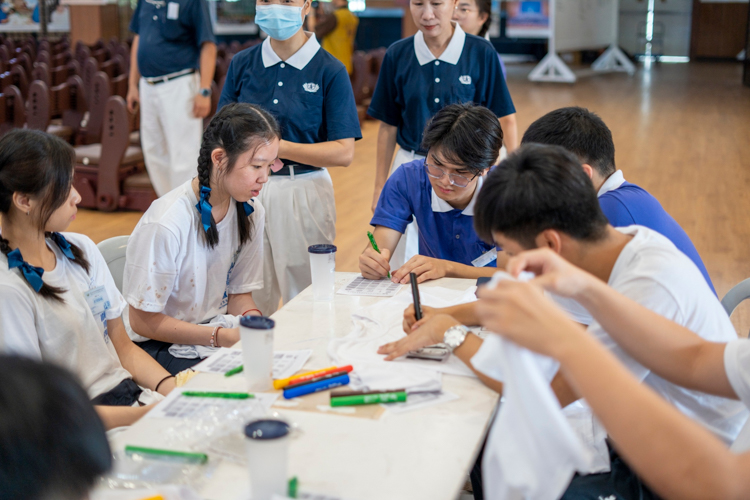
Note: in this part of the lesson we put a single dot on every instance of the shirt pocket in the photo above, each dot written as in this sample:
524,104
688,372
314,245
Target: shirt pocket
463,92
308,115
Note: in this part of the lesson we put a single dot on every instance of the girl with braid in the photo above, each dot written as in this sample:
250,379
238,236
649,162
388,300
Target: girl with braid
58,301
196,256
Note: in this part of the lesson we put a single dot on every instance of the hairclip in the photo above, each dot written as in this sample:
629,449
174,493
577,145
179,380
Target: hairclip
204,208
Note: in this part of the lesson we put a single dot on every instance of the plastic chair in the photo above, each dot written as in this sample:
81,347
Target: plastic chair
113,251
737,294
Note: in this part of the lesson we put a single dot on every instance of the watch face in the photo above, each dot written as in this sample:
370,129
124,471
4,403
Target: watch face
205,92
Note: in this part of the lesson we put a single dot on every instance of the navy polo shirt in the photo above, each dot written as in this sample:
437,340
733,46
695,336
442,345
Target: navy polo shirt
309,94
629,204
413,85
169,37
444,232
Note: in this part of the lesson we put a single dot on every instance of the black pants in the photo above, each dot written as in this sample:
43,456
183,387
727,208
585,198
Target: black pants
620,483
125,393
160,352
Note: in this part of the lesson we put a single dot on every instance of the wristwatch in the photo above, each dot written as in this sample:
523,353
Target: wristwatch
205,92
455,336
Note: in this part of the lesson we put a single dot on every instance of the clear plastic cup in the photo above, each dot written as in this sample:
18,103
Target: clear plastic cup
267,443
323,270
256,336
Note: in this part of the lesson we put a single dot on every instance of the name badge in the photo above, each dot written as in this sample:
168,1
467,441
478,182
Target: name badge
173,10
485,258
98,301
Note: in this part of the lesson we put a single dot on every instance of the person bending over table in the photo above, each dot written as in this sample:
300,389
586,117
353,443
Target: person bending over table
58,301
440,191
540,197
676,457
196,256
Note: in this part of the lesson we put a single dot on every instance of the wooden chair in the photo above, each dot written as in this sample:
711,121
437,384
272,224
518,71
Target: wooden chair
60,74
17,77
24,61
103,171
65,101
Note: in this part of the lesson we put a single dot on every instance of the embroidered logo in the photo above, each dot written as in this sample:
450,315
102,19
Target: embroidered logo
311,87
611,497
465,79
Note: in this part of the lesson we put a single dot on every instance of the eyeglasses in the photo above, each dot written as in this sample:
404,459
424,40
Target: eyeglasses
455,179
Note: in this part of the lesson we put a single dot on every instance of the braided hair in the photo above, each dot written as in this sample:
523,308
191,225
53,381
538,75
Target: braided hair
41,165
236,129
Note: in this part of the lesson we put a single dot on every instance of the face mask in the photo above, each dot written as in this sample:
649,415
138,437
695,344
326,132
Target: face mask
279,21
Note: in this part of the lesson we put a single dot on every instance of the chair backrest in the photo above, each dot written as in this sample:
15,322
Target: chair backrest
113,250
20,79
38,106
41,72
737,294
15,111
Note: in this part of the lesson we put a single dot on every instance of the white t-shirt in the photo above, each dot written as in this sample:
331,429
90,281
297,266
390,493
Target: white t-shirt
653,272
66,333
737,366
170,269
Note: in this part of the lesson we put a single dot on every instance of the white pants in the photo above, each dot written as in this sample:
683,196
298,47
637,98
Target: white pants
170,134
408,245
299,212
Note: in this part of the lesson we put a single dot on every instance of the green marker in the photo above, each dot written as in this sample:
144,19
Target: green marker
369,399
234,371
200,458
225,395
375,247
292,490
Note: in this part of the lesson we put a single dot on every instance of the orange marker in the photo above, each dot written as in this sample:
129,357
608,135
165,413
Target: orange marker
301,379
281,383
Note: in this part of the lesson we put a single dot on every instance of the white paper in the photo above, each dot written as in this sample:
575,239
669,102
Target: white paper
178,406
420,400
374,288
285,363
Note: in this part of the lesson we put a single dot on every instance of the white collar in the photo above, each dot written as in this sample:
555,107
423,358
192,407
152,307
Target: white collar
451,54
298,60
613,182
440,205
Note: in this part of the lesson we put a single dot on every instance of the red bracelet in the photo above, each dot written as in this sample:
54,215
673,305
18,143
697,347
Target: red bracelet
249,310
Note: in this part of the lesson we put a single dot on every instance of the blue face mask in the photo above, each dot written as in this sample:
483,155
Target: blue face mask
281,22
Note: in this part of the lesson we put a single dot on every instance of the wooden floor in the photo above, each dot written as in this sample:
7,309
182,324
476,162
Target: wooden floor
681,131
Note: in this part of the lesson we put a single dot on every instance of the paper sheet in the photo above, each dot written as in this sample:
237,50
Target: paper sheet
420,400
178,406
382,323
285,363
374,288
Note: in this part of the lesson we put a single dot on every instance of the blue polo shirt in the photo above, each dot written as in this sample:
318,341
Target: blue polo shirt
626,204
309,94
413,85
170,35
444,232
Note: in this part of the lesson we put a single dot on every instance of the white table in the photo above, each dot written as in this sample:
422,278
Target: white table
422,454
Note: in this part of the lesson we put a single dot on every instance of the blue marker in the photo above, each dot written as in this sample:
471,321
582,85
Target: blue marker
316,387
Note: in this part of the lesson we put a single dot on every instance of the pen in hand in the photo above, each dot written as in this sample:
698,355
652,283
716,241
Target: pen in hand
375,247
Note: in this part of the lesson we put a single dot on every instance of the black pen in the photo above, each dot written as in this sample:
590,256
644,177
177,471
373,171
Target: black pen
415,294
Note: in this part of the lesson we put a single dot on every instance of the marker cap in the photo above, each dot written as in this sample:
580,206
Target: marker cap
322,249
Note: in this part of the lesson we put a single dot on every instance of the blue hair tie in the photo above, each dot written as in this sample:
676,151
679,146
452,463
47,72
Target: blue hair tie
32,274
248,208
61,242
204,208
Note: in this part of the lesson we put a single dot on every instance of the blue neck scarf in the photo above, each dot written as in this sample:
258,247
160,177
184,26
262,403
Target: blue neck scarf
248,208
32,274
61,242
204,208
